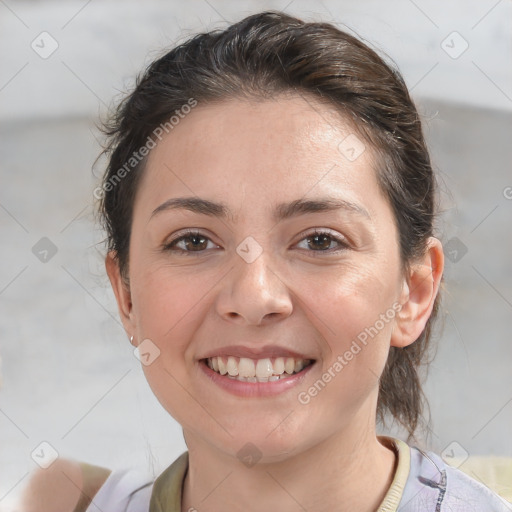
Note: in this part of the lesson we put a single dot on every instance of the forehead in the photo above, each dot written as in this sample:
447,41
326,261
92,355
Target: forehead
242,149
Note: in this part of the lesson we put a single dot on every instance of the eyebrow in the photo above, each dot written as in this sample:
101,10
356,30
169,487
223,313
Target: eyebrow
282,211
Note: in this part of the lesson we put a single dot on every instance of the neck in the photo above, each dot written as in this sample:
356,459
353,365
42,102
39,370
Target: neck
344,472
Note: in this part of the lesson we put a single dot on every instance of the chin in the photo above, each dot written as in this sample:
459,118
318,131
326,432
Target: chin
252,444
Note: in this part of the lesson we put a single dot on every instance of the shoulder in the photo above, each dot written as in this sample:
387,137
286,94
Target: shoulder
65,486
434,485
72,486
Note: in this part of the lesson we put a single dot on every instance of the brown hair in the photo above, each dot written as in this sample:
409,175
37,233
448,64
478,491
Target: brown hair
263,55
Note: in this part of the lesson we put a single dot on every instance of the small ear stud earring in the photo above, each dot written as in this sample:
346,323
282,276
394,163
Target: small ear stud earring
131,340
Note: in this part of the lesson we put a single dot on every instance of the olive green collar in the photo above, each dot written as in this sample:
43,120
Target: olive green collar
168,487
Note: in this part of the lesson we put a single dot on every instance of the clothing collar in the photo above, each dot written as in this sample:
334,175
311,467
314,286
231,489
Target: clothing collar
168,487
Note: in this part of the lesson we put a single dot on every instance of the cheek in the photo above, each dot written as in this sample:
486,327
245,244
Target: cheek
167,305
347,300
169,385
165,302
353,311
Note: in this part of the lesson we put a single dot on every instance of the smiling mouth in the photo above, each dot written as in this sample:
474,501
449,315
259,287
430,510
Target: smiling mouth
245,369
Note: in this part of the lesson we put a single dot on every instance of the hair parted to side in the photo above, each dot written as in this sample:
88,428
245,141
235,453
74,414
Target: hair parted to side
272,53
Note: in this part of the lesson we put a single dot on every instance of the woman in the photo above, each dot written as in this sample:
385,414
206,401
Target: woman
269,204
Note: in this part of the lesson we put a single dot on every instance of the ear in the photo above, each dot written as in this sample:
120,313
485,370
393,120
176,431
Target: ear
419,291
122,292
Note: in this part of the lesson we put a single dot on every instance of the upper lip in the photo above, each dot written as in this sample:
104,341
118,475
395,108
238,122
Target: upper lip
268,351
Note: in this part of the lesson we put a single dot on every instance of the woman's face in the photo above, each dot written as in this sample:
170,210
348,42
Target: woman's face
257,283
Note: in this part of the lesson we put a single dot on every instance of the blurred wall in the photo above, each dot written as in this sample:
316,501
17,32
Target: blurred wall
455,51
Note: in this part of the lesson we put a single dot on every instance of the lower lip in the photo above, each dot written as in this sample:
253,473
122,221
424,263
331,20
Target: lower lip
254,389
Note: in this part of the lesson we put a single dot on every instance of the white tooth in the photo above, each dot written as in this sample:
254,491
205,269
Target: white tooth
246,367
262,379
278,365
273,378
252,379
215,363
222,366
232,366
299,364
264,368
289,365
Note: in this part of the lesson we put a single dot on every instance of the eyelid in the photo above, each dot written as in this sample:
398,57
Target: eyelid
189,232
321,231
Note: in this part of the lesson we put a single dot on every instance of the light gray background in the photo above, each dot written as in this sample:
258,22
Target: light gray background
69,374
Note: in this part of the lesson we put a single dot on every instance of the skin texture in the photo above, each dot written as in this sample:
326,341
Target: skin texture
65,486
251,156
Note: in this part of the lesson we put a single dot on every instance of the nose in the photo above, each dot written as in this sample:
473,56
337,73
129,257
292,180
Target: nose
253,293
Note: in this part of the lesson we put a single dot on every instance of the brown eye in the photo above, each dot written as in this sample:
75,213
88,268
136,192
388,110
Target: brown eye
322,241
193,241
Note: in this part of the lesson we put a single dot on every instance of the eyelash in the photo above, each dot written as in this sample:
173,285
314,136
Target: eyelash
317,232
